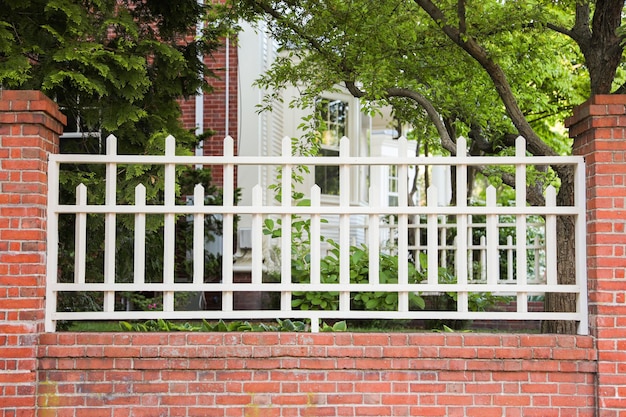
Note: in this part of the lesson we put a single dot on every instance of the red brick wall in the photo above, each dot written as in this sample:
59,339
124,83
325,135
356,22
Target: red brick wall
599,129
269,374
217,114
327,374
29,128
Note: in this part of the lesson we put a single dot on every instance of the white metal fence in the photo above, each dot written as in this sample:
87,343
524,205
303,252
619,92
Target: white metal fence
460,251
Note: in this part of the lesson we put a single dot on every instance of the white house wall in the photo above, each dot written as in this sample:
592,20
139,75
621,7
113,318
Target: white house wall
256,53
261,134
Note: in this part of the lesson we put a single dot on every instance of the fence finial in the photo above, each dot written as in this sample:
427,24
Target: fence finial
461,147
229,146
403,147
520,147
286,146
170,145
111,145
344,146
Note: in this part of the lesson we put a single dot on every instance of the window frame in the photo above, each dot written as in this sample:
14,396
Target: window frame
336,124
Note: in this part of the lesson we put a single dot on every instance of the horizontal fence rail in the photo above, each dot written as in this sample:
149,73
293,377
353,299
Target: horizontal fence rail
412,253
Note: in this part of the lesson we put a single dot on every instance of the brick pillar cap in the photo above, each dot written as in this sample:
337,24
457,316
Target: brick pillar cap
598,105
36,101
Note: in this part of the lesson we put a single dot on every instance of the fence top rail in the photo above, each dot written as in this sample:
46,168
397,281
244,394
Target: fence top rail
287,159
315,160
320,210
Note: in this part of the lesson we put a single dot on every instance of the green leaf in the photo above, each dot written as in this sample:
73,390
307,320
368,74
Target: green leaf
418,301
340,326
287,325
208,327
221,326
304,203
126,326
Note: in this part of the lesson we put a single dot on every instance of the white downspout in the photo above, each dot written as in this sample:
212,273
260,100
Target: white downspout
227,98
199,117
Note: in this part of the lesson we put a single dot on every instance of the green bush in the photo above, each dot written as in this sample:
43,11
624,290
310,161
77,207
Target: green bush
329,273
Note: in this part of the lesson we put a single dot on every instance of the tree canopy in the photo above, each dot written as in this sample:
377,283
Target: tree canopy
490,70
119,65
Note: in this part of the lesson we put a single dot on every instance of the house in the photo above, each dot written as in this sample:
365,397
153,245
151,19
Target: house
232,110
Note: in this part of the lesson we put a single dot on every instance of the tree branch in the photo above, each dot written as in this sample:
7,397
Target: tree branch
561,30
460,11
263,7
533,195
581,30
534,144
432,113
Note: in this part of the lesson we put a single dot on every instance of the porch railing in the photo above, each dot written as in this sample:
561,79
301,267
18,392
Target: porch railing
502,250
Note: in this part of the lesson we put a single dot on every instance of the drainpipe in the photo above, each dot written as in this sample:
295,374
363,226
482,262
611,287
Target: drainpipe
200,96
227,98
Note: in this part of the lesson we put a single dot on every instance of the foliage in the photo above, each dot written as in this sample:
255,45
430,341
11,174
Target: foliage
329,265
446,329
116,67
476,301
406,49
112,66
489,70
286,325
329,273
186,178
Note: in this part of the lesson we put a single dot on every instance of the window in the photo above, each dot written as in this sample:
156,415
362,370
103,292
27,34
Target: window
393,186
332,116
82,133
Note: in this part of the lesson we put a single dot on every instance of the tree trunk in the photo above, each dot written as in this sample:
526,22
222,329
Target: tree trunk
603,52
566,259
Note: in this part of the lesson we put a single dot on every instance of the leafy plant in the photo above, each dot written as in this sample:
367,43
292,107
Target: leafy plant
329,273
340,326
286,325
447,300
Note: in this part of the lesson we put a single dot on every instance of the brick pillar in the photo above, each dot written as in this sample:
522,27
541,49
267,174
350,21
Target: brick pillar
599,131
30,125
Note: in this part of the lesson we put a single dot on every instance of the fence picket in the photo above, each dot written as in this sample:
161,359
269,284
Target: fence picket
110,224
80,245
432,238
169,227
551,257
344,225
228,220
198,235
521,227
493,258
285,237
462,229
374,240
316,236
257,237
403,224
139,258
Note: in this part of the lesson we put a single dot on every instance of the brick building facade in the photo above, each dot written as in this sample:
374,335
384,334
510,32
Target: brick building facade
219,108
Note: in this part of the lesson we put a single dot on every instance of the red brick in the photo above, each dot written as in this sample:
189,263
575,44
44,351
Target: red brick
484,412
